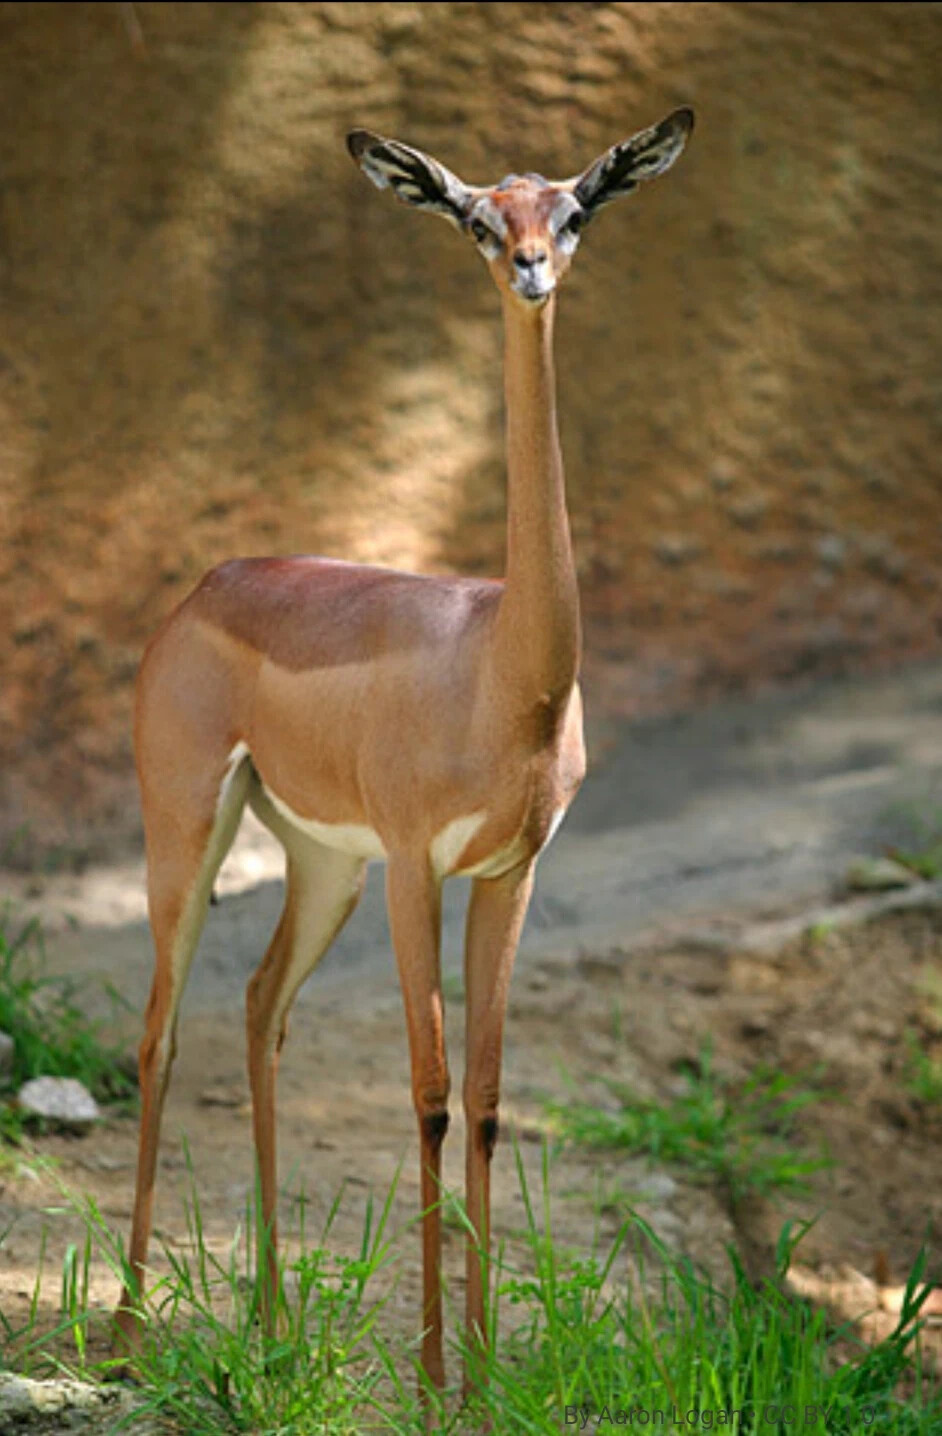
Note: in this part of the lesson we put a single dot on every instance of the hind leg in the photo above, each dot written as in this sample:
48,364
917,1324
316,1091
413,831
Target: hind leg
322,887
183,859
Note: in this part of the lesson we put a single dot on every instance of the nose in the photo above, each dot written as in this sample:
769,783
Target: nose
529,259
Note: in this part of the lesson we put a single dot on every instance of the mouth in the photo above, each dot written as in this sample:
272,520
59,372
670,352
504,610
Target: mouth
531,290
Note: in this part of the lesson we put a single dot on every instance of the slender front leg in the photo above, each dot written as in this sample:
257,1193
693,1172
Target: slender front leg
414,899
495,918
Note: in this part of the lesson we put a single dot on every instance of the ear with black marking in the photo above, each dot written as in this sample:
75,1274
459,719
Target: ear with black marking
622,168
414,177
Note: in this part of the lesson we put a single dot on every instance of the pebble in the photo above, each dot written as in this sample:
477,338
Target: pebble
677,549
831,551
722,475
749,511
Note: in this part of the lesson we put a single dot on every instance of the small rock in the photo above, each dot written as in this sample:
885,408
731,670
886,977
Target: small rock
24,1401
878,875
223,1097
530,1132
7,1049
59,1099
832,551
722,475
749,511
677,549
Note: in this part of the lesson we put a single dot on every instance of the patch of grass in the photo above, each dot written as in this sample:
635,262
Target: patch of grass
922,1074
52,1034
633,1329
741,1136
208,1366
928,863
205,1365
599,1349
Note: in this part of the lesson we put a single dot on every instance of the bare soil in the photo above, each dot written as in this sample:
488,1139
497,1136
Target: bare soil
836,1003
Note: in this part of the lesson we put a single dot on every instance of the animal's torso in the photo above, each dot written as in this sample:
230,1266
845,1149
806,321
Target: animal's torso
367,703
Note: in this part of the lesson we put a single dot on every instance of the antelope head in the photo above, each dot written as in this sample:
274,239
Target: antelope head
526,227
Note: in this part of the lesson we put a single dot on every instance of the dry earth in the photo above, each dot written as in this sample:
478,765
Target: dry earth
835,1001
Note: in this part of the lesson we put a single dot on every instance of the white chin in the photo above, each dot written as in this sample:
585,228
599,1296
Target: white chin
531,293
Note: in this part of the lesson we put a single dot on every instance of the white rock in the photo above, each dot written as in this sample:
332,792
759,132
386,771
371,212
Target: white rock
28,1405
59,1099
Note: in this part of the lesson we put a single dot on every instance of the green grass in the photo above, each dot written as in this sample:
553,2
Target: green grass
738,1135
927,861
52,1034
920,845
601,1346
922,1075
605,1340
206,1364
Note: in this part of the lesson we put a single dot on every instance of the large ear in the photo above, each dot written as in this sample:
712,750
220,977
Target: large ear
622,168
414,177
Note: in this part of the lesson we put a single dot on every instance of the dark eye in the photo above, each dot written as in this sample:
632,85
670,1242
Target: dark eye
480,230
573,224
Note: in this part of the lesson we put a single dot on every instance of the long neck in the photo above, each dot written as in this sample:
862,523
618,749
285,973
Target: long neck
538,633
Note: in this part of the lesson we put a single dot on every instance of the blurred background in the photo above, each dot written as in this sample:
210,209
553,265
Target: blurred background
216,339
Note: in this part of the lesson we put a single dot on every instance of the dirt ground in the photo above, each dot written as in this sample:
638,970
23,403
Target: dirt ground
836,1002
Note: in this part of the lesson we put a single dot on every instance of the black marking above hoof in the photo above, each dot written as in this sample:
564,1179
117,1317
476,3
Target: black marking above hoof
434,1127
489,1129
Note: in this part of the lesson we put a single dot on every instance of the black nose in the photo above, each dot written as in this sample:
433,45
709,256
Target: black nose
526,261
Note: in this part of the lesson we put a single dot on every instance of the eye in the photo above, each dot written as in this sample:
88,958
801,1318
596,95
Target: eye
480,230
574,223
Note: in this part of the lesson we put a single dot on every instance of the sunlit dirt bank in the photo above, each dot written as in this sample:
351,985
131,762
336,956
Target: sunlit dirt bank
215,343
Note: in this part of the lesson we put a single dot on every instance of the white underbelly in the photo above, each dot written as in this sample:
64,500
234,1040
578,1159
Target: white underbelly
357,839
362,841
